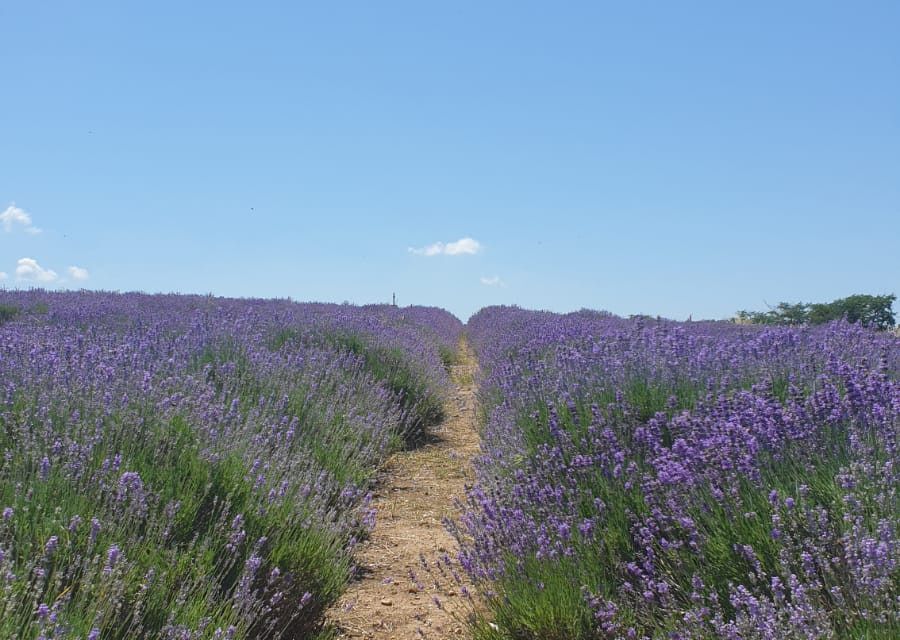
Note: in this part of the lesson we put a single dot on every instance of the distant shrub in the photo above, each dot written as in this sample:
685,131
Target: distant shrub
8,312
449,357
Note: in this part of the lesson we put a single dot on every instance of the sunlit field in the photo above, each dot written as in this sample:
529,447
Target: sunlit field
190,467
653,479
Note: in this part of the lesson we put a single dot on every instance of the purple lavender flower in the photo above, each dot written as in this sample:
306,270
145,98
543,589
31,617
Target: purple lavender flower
113,555
51,546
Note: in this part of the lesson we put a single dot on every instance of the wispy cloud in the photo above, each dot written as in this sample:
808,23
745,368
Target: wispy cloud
78,273
29,270
461,247
492,281
3,275
15,216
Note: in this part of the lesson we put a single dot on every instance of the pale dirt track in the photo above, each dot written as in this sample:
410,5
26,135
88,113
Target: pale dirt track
394,597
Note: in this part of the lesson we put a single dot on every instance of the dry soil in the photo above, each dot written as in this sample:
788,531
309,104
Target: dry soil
396,597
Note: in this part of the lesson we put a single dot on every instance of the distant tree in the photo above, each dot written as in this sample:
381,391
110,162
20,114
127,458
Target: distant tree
870,311
783,313
753,317
792,314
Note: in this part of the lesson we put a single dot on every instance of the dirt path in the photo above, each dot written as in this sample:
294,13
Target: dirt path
395,597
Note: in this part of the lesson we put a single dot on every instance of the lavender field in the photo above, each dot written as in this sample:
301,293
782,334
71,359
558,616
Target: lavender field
189,467
653,479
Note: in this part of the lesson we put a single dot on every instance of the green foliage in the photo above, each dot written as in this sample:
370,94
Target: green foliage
228,351
392,366
543,599
449,357
194,573
644,398
282,337
334,444
868,310
8,312
389,365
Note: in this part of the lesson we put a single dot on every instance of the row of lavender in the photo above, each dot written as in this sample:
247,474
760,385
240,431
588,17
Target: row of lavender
195,467
652,479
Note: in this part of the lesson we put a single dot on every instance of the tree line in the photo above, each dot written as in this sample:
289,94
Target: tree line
870,311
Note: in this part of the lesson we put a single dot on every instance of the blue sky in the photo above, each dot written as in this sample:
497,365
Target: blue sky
663,158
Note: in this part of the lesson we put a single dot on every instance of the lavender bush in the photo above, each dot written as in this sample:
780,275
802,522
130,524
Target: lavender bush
194,467
652,479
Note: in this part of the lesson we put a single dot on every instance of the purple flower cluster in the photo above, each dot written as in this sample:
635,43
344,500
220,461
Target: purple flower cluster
685,480
195,467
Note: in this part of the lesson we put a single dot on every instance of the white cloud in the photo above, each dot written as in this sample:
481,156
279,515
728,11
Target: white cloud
431,250
3,275
460,247
29,269
492,281
463,245
17,216
78,273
